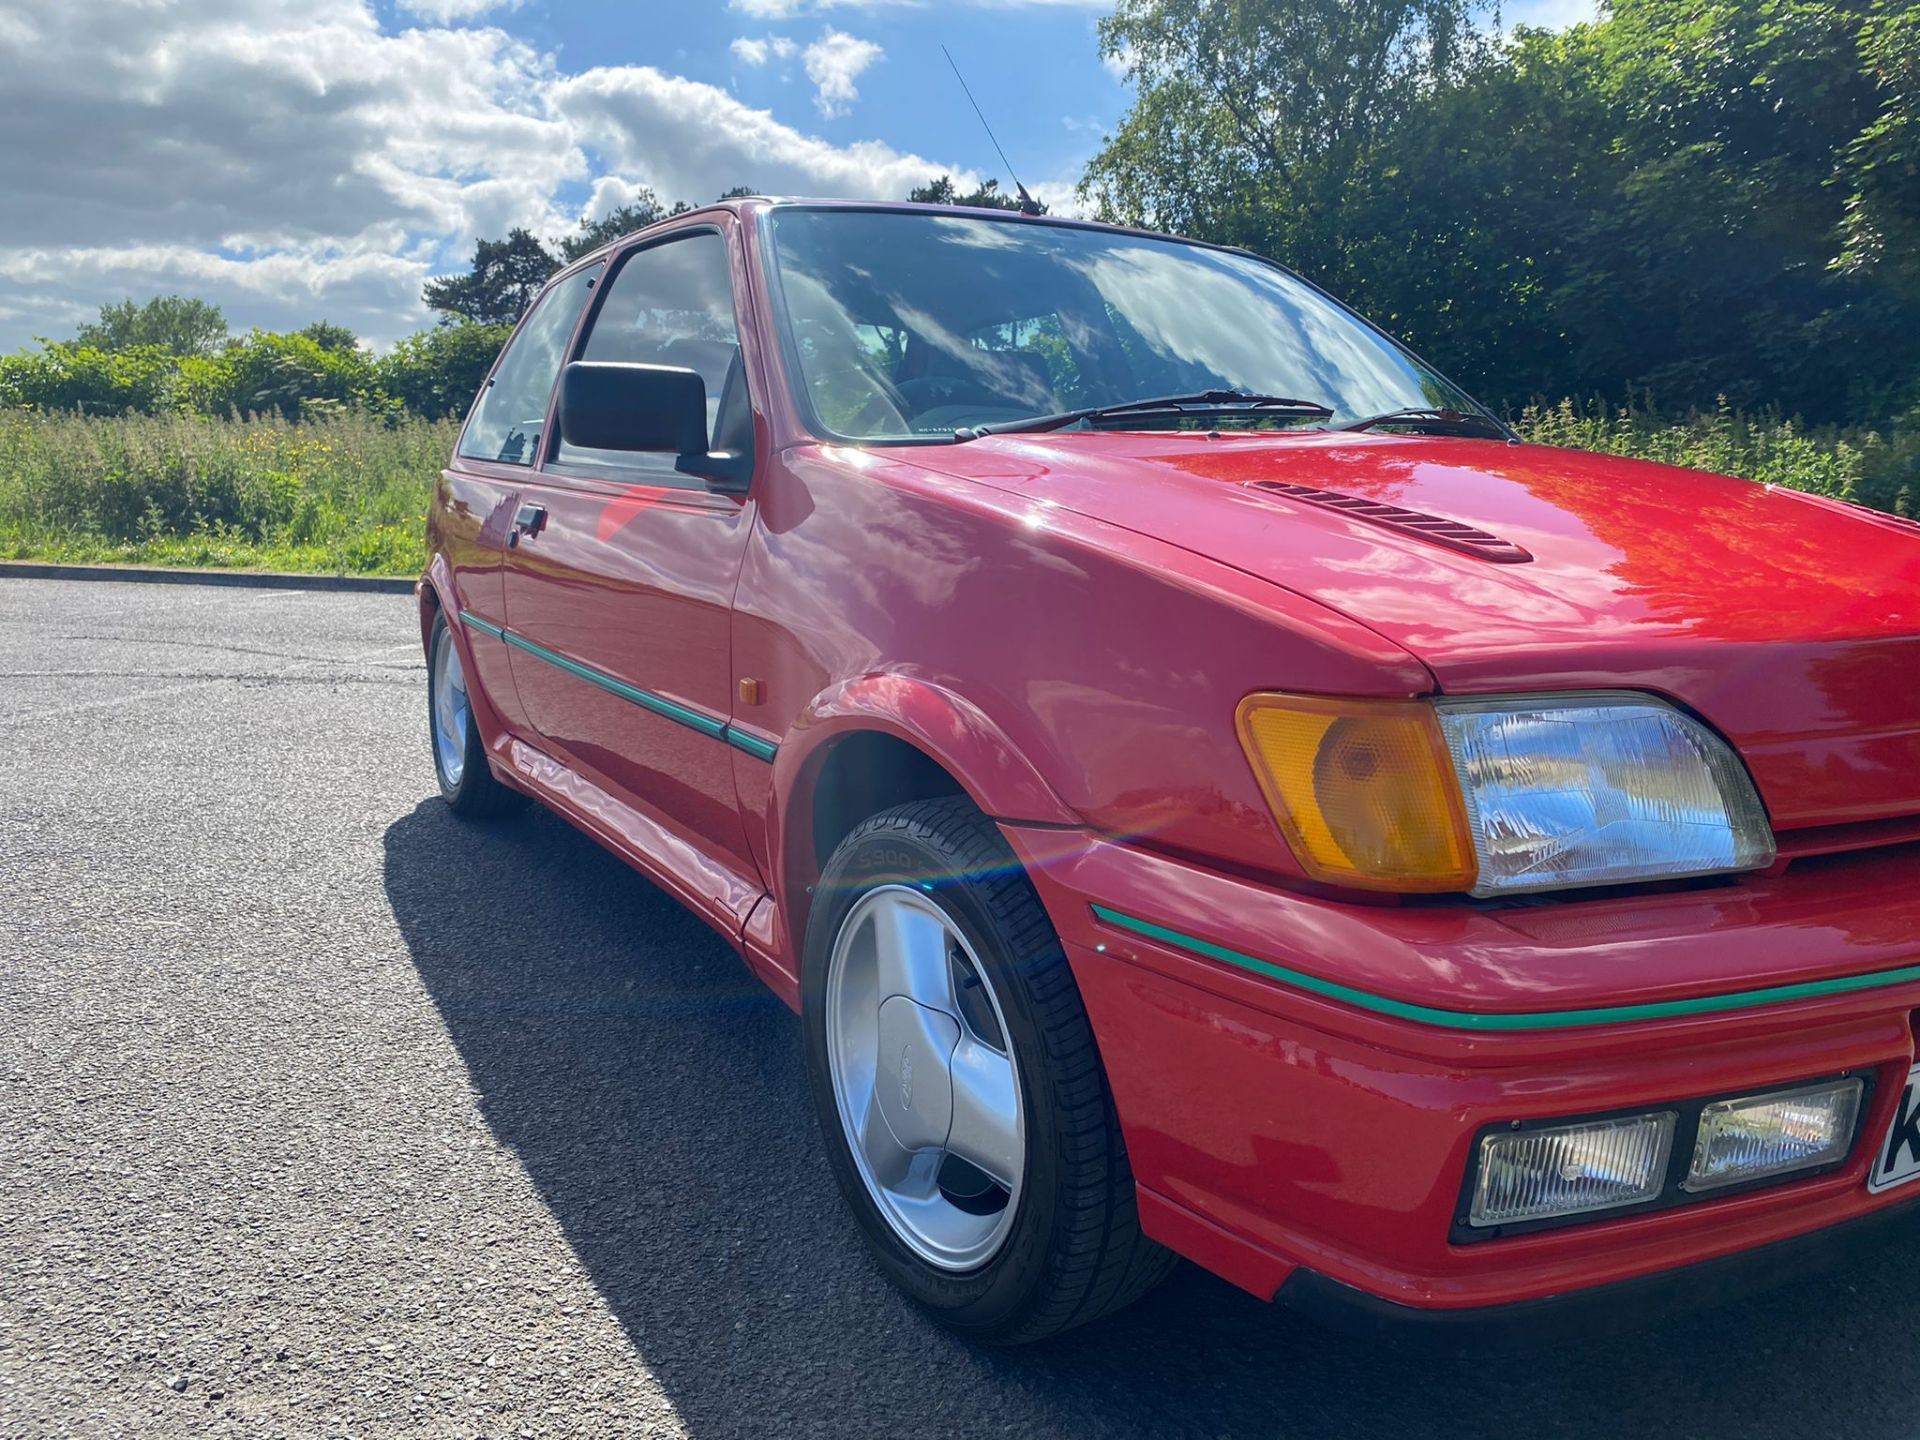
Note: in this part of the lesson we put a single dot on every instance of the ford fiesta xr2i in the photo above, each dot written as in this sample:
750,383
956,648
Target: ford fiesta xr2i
1205,786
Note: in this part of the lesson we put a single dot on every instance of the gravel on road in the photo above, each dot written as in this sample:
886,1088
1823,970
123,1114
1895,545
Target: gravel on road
324,1113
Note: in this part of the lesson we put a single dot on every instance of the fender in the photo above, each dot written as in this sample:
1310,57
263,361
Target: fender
949,728
946,727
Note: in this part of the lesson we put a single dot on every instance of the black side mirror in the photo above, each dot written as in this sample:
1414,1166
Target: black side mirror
657,408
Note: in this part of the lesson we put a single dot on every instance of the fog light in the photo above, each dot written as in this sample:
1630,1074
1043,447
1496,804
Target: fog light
1571,1169
1763,1136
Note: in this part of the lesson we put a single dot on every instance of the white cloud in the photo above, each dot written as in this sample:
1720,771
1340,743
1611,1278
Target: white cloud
685,138
1061,197
834,62
367,290
770,9
290,160
264,123
758,52
446,12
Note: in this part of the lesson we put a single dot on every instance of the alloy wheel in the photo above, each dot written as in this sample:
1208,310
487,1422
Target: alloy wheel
924,1078
450,710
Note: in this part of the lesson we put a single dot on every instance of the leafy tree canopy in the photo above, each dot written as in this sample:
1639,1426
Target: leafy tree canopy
439,371
507,274
328,336
505,277
643,210
1684,199
985,196
173,323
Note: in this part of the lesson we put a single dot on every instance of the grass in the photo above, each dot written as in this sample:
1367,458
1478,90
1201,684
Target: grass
348,495
343,496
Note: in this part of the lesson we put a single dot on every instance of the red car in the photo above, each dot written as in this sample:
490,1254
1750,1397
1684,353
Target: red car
1205,786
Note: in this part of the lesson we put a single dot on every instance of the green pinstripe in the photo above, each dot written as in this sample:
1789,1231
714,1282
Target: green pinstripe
646,699
1530,1020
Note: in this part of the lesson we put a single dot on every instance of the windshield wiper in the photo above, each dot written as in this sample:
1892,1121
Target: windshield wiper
1205,402
1429,415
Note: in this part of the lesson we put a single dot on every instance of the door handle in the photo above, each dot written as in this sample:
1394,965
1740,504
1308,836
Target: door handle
529,521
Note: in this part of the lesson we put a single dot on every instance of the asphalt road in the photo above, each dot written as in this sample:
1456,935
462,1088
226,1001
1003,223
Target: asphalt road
324,1113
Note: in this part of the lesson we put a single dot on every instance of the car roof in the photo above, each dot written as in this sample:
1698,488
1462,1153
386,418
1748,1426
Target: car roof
745,205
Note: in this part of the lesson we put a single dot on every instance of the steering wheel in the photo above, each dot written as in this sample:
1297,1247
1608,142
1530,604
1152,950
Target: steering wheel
929,391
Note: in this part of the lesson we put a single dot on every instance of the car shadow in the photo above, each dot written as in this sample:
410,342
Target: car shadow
653,1092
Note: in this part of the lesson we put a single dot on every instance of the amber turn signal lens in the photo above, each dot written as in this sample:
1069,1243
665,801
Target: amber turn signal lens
1363,790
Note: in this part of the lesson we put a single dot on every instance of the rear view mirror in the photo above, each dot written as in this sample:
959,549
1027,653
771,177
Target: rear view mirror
645,408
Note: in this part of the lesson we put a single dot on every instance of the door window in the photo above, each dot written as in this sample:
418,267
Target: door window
508,417
672,304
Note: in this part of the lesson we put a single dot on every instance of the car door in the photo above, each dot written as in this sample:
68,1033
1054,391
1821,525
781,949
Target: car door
620,591
484,485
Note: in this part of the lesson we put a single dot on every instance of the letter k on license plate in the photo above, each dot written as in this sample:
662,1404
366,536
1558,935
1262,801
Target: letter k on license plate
1899,1158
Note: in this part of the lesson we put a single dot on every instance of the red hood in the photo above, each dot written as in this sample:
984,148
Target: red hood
1791,623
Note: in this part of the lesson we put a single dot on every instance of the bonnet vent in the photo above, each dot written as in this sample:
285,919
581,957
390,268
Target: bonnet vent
1450,533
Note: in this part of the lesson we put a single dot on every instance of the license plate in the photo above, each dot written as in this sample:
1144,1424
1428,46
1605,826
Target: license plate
1899,1158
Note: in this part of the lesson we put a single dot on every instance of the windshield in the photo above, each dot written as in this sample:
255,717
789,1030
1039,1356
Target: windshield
908,325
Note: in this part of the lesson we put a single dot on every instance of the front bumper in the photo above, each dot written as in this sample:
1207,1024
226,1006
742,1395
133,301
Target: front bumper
1620,1307
1307,1141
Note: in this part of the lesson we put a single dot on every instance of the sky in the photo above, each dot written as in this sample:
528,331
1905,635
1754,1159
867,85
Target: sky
301,160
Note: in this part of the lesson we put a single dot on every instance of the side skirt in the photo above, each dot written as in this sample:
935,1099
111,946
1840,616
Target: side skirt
716,892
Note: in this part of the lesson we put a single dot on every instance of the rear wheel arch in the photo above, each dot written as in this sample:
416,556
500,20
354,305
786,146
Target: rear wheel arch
430,607
435,593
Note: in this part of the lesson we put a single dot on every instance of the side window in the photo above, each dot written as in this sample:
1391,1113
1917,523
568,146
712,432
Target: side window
672,304
506,420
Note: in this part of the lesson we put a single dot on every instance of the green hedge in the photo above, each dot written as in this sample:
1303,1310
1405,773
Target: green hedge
1865,466
433,374
347,492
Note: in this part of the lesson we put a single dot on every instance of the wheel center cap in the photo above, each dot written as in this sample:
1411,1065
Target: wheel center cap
914,1083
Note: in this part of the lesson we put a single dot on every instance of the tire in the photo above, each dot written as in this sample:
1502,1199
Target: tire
1065,1245
467,781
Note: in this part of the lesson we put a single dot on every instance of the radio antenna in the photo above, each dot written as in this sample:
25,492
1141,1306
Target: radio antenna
1028,205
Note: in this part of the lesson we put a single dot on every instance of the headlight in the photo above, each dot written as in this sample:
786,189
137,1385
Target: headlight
1596,790
1499,797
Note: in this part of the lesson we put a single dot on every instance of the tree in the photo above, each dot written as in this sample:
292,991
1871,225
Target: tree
173,323
643,210
505,277
1881,167
985,196
638,213
1252,119
1675,201
438,372
329,336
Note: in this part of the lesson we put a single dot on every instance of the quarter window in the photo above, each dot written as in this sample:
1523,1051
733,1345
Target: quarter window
672,304
508,417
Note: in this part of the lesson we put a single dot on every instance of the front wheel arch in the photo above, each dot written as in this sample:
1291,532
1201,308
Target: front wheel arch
923,740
